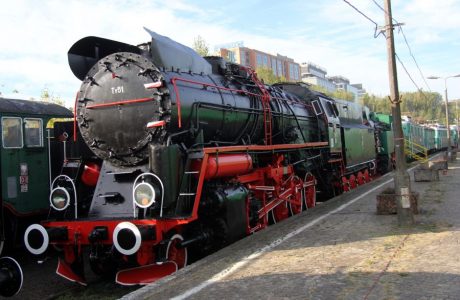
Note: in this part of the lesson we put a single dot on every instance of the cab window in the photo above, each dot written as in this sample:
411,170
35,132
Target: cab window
33,132
12,132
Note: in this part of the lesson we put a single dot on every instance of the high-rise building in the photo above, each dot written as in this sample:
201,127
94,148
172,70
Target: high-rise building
361,90
343,84
282,66
316,75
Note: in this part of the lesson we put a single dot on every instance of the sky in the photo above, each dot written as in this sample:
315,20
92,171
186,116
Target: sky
36,35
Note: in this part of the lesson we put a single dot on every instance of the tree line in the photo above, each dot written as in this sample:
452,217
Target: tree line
423,107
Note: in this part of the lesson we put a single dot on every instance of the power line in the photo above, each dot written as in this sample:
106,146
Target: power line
377,34
376,31
407,72
407,44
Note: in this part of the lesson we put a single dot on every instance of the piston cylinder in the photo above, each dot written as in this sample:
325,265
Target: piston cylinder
226,165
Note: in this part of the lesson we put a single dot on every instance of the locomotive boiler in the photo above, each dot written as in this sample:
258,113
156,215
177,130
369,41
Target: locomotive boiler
196,153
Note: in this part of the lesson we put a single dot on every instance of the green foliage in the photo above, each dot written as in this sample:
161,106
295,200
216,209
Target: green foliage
266,74
376,104
200,46
421,106
46,96
344,95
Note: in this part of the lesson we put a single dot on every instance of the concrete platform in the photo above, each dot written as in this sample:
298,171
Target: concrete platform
340,250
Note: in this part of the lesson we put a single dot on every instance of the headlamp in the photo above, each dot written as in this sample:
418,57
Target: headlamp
59,198
144,195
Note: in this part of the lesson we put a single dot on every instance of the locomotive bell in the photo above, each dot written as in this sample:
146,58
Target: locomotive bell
117,100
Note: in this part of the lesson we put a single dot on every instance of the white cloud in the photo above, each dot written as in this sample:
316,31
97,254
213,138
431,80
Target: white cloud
39,33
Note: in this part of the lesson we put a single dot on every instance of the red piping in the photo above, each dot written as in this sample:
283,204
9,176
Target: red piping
123,102
75,119
264,147
176,91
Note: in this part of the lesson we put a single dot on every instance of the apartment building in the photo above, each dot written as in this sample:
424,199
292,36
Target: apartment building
280,65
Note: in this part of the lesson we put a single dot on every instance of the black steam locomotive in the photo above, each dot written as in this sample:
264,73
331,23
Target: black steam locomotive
196,153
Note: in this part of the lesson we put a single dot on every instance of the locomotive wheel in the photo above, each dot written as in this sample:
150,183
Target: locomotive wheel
310,191
297,196
360,178
353,181
176,254
279,213
346,184
367,177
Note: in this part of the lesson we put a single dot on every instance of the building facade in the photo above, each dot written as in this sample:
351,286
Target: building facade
316,75
361,90
343,84
282,66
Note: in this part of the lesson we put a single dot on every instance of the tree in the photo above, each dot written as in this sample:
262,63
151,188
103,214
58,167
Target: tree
200,46
46,96
266,74
340,94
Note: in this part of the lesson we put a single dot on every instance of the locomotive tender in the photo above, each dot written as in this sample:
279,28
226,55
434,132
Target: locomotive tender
196,153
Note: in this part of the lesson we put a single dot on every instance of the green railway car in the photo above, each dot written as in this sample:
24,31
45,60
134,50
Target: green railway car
24,163
385,141
454,136
358,137
428,139
440,137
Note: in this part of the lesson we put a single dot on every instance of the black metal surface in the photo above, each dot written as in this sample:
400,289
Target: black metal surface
101,207
10,277
57,233
30,107
119,133
172,55
89,50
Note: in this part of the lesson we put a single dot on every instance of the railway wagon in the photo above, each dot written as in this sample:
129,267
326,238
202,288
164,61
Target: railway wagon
384,142
454,135
24,164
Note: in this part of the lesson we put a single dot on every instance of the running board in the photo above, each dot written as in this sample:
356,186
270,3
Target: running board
145,274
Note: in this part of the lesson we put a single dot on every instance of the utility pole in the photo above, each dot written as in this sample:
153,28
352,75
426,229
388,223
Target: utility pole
449,147
401,179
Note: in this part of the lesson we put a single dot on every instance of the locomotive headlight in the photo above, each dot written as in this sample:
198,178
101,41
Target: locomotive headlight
144,195
59,198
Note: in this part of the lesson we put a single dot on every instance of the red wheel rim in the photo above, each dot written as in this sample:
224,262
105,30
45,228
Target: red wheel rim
310,191
353,181
280,212
175,254
360,178
345,184
367,177
296,206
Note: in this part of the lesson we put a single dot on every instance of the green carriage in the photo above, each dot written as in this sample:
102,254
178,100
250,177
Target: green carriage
25,164
385,141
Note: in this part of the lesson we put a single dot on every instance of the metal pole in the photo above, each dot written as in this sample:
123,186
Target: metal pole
456,110
447,120
402,179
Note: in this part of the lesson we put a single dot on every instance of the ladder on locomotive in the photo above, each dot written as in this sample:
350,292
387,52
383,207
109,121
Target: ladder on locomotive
187,187
267,119
265,99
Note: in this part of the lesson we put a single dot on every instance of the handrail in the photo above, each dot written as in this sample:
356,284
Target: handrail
410,146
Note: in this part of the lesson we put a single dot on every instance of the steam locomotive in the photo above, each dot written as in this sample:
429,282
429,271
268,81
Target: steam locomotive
191,154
